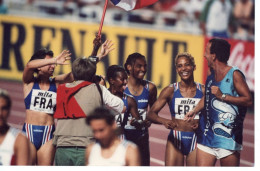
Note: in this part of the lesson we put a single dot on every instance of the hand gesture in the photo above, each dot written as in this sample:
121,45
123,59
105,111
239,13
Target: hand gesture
147,123
138,124
216,91
63,57
105,49
169,124
194,126
189,116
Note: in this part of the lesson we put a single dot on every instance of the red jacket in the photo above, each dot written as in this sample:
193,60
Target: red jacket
67,106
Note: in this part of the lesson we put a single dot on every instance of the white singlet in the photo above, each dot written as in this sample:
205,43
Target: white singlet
7,147
117,158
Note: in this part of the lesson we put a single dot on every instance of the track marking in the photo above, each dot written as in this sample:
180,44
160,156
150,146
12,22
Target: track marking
157,161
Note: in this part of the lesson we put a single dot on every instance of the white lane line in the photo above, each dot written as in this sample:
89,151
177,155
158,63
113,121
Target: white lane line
157,140
157,161
246,162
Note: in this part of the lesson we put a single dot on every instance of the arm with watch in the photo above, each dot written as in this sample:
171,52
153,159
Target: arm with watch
106,47
244,96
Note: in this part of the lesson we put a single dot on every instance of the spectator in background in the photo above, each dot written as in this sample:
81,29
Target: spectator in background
215,18
244,22
14,146
188,12
3,7
165,5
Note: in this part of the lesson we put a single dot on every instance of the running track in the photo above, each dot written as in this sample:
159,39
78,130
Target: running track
158,134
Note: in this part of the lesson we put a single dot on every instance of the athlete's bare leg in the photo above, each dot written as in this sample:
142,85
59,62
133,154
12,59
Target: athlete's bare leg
45,155
231,160
33,153
173,157
191,158
205,159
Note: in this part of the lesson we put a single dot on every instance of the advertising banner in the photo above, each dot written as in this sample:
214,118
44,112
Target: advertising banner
20,37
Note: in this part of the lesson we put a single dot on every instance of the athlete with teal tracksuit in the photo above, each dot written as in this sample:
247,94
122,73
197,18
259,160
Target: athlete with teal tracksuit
225,102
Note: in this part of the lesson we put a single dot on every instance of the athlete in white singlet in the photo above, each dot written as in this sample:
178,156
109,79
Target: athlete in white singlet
14,146
109,150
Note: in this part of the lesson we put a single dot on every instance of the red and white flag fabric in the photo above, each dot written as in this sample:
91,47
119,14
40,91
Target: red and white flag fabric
129,5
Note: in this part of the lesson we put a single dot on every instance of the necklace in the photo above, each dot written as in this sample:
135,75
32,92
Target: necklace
134,92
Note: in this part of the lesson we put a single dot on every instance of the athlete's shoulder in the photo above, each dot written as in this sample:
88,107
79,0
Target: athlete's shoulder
128,144
167,92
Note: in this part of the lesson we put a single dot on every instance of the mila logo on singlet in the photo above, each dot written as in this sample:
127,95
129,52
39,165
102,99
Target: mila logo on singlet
43,101
184,105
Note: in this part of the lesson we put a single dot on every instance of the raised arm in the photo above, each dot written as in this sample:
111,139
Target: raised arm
37,63
164,97
106,47
96,44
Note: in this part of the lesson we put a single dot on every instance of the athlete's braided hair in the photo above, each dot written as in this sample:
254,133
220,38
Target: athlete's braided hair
187,55
131,60
112,71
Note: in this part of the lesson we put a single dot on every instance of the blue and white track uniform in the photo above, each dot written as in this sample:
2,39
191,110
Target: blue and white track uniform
42,101
140,137
186,142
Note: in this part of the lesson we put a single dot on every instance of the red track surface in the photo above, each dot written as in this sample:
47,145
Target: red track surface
158,133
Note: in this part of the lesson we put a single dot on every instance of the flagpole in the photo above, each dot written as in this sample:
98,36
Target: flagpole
102,19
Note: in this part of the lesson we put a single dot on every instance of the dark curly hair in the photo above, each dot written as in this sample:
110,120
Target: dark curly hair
221,48
102,113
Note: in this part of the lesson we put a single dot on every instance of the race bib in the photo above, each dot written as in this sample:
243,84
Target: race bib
142,113
184,105
43,101
119,119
